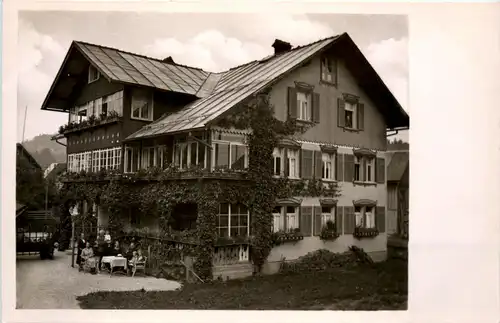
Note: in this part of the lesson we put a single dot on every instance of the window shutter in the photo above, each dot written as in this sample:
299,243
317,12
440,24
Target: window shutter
292,103
380,173
340,113
317,220
339,167
315,107
361,116
306,220
318,165
339,217
348,168
380,219
306,163
335,71
349,220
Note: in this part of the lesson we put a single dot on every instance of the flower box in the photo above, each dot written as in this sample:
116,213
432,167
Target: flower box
282,237
328,235
365,233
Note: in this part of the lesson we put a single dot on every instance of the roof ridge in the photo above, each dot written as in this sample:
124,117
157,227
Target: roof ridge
139,55
269,57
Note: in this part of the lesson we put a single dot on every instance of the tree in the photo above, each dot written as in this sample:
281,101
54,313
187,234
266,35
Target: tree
31,185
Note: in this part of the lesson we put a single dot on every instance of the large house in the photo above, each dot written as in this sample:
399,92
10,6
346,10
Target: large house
129,112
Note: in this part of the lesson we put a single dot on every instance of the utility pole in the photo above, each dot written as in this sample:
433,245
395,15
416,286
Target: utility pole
24,123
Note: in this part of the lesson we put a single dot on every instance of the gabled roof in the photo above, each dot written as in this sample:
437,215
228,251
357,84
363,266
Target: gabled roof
22,151
122,67
20,208
399,161
237,84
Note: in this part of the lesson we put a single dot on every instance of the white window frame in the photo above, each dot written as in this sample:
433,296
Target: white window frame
146,157
304,106
328,169
279,219
358,162
292,218
150,109
279,153
229,220
231,144
369,169
366,166
326,75
364,218
327,216
352,107
293,155
97,74
129,168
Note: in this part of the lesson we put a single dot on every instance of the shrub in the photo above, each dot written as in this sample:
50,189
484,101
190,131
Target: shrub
319,260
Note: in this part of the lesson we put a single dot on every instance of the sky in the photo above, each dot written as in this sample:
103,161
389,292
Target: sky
213,42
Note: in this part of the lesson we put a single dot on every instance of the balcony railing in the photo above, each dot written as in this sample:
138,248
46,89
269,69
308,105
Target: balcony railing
91,122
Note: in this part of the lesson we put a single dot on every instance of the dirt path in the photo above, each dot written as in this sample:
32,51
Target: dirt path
53,284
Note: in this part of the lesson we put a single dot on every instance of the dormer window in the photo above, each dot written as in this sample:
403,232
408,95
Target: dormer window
328,70
94,74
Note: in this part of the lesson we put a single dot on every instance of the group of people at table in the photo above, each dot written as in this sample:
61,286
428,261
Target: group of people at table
91,255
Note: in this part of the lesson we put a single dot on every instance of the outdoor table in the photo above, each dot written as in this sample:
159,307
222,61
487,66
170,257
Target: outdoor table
114,261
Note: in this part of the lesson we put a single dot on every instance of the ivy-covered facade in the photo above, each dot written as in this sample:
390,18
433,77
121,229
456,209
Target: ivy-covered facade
265,162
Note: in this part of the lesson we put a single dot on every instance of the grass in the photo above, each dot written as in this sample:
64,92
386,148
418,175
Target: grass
379,287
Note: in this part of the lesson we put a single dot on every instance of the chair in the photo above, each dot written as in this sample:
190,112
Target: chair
141,265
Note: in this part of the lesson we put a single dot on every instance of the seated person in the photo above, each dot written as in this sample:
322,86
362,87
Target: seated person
130,251
116,250
137,258
88,258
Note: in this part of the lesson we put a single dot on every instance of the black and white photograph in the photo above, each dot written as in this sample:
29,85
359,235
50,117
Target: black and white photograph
207,164
229,162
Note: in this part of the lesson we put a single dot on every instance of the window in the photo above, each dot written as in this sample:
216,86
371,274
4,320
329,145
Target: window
293,164
230,152
365,217
94,161
364,169
292,218
279,219
328,70
327,214
233,220
189,154
94,74
142,105
131,159
151,157
350,115
357,168
148,157
328,166
304,106
369,169
278,159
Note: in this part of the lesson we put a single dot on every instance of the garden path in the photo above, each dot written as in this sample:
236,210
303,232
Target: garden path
54,284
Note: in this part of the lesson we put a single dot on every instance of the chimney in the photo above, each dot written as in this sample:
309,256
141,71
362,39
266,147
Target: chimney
281,46
168,60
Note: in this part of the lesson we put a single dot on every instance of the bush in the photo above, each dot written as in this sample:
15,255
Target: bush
319,260
323,259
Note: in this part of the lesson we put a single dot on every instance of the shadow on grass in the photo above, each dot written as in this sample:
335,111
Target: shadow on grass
383,286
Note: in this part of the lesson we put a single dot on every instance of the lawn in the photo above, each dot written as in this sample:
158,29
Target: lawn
382,286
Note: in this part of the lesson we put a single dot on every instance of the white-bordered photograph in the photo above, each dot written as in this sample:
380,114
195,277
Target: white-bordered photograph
212,161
